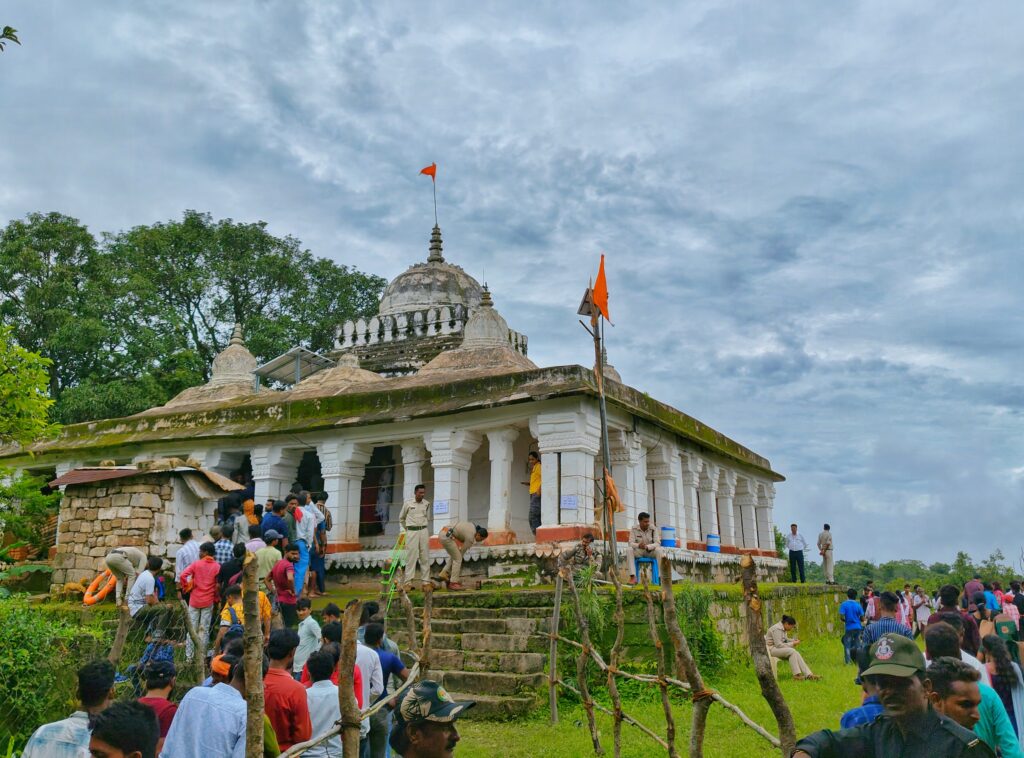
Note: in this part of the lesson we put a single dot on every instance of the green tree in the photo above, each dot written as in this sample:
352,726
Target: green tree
131,320
26,504
24,404
8,34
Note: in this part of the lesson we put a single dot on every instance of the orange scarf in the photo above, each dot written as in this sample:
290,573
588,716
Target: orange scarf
247,508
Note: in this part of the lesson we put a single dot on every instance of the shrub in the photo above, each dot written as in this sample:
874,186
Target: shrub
692,606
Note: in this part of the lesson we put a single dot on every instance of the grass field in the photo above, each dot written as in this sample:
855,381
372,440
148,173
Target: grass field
815,705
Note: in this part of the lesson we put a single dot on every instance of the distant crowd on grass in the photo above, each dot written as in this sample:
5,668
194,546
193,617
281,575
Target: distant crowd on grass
963,696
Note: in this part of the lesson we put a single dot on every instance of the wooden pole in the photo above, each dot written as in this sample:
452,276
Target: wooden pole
197,643
659,658
350,716
686,666
123,622
428,609
252,639
762,664
616,659
410,620
553,651
581,663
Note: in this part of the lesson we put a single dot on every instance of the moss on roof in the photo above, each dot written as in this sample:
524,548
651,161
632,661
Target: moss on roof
397,399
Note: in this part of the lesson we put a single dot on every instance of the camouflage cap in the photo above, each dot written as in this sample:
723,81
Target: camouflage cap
895,655
429,701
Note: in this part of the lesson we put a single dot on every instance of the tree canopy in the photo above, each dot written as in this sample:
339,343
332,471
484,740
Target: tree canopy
131,318
24,404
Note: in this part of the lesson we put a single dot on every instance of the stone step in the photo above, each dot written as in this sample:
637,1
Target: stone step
495,707
490,626
502,643
489,682
497,600
397,616
501,582
512,663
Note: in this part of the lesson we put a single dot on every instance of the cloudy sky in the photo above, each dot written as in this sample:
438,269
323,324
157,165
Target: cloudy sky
812,211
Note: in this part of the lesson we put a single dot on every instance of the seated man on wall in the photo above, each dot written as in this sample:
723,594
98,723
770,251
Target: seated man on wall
781,646
580,556
643,540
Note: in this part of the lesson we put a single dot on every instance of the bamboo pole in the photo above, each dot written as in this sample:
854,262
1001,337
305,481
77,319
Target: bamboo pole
428,609
553,652
410,618
659,658
350,716
686,666
252,639
581,663
762,664
625,716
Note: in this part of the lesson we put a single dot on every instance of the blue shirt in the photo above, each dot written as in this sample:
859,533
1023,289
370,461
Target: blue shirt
389,664
210,721
994,727
62,739
868,711
884,625
851,612
991,601
275,522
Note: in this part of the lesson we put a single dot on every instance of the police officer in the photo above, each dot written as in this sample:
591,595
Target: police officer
909,727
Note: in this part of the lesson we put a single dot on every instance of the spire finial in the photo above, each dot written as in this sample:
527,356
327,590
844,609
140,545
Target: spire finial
435,246
236,335
485,298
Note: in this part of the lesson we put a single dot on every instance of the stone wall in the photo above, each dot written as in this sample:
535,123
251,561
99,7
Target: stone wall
95,518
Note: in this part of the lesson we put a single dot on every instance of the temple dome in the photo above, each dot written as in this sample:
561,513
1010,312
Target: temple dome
337,379
486,347
433,284
230,377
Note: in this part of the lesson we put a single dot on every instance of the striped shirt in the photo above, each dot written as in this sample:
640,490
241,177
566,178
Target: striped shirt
884,625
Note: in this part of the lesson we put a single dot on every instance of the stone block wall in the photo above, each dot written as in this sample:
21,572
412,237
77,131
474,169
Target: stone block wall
95,518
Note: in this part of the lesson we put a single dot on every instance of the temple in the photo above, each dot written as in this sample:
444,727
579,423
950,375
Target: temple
436,388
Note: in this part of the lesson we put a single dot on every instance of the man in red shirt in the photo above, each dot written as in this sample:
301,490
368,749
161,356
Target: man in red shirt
283,576
284,698
200,578
160,677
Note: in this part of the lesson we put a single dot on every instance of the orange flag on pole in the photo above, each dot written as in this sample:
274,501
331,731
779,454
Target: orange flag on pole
431,171
600,291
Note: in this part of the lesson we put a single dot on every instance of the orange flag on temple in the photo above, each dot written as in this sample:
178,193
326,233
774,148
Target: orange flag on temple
601,291
612,493
431,171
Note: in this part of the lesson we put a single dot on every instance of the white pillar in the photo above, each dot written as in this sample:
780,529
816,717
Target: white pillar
450,454
499,515
414,455
663,468
707,495
343,465
765,532
575,436
626,455
744,507
726,492
274,468
690,467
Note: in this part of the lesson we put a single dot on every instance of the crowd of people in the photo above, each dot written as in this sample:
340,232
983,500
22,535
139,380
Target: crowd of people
963,696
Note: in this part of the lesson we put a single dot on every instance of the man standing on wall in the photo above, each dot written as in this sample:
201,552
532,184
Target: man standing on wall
825,550
796,544
415,518
534,485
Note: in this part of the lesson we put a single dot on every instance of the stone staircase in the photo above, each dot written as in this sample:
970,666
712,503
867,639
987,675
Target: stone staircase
485,647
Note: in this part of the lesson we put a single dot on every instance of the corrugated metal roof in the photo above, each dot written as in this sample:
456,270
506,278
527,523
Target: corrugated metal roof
205,483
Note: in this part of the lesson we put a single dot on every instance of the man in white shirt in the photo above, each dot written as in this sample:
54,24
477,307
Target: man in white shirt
322,698
187,554
373,684
69,738
796,544
825,550
305,530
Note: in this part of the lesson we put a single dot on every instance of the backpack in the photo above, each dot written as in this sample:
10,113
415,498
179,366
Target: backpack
236,629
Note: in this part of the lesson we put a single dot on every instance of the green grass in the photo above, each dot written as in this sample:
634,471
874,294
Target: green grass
815,705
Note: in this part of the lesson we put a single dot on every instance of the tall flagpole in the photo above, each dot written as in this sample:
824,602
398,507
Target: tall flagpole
433,183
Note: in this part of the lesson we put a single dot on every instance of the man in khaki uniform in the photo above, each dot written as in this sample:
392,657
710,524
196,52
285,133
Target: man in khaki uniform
781,646
825,549
125,563
415,518
457,540
643,540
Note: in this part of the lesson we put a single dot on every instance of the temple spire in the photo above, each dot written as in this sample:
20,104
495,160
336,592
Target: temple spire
236,335
435,246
